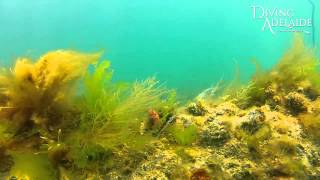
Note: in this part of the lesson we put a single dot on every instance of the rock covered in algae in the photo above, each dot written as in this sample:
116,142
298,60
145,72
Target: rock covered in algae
240,171
226,108
162,164
253,121
296,102
197,109
214,133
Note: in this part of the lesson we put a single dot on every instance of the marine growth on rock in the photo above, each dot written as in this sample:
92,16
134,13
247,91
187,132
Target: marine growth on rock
63,115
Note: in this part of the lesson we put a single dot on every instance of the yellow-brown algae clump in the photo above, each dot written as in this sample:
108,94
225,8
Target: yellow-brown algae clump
36,92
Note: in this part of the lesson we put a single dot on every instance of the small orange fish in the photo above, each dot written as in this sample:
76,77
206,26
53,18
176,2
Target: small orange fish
154,117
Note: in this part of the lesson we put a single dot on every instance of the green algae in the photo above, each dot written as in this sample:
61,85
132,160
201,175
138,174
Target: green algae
31,166
114,112
71,125
184,135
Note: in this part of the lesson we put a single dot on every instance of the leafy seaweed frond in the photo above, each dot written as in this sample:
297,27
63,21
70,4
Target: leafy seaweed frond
114,112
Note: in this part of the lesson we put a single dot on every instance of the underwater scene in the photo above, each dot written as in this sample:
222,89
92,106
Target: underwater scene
159,90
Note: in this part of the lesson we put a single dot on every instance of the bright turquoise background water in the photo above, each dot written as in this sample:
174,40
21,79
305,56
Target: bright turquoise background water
189,44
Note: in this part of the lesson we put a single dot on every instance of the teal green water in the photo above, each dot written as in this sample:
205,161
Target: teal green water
188,44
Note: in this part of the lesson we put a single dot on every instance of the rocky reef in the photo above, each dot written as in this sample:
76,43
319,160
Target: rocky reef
59,120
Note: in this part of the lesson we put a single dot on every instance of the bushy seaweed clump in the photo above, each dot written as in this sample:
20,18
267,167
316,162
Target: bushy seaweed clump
57,107
297,71
36,101
116,113
39,93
